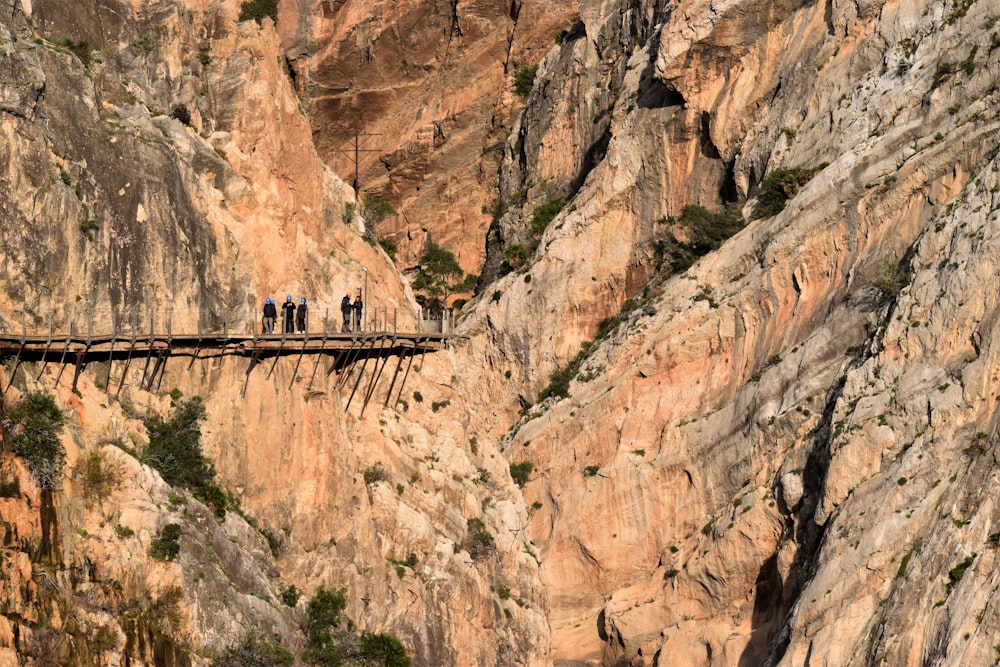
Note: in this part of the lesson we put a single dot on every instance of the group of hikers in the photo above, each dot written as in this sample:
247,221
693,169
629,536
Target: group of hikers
297,317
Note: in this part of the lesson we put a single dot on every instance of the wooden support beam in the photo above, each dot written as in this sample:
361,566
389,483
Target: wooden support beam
278,353
322,345
254,358
376,374
361,374
80,356
407,372
17,359
111,353
295,372
45,355
392,385
352,356
62,360
149,354
128,361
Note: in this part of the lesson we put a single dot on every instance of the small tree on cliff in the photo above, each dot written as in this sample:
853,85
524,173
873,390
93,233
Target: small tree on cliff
440,276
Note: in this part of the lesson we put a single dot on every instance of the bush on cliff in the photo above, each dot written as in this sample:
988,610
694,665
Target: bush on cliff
258,9
705,232
175,451
779,186
32,428
255,651
524,79
330,641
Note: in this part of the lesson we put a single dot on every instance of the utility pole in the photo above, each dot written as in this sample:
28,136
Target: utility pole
353,155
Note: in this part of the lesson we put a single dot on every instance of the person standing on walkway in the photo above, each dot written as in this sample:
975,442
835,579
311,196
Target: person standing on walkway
289,307
358,307
270,315
346,310
300,316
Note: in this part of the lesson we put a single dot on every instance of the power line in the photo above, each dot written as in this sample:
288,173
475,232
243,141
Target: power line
357,150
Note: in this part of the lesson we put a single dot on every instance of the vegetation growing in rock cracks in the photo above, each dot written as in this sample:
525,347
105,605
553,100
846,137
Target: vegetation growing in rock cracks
377,209
478,540
331,642
545,214
175,451
521,472
31,431
703,231
779,186
524,79
255,651
258,9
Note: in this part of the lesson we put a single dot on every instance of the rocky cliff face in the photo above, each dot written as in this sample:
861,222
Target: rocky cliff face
783,454
432,81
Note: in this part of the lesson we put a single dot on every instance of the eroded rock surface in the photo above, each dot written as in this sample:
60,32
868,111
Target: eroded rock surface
782,455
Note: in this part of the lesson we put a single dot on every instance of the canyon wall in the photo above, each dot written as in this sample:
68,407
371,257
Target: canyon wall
783,454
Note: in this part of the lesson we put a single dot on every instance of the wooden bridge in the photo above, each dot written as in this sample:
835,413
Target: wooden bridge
349,353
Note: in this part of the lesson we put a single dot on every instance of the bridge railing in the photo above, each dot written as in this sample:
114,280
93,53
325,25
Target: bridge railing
79,320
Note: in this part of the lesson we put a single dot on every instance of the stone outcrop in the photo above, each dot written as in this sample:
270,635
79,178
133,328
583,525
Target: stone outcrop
782,455
433,82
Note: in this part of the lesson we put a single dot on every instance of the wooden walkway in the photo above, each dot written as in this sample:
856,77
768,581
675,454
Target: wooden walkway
348,352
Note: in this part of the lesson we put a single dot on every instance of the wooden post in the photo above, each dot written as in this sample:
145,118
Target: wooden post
326,321
376,375
111,354
24,339
45,355
128,358
69,339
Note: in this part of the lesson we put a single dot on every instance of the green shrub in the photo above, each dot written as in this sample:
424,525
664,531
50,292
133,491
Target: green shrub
255,651
80,49
377,208
889,278
524,79
956,573
705,231
32,428
384,649
439,276
591,471
778,187
390,248
478,540
175,451
166,545
374,473
258,9
290,596
322,620
88,227
98,476
517,255
521,472
145,44
545,214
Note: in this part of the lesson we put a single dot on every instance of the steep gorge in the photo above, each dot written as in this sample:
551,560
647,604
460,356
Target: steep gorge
776,457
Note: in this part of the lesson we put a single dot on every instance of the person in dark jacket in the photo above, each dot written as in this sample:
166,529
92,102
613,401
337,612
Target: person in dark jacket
270,315
300,316
358,307
289,307
346,310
